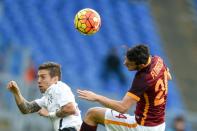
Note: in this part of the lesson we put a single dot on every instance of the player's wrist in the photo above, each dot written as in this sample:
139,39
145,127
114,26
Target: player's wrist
17,93
98,97
52,115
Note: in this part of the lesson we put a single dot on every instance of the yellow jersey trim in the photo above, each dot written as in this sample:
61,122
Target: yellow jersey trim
133,96
145,109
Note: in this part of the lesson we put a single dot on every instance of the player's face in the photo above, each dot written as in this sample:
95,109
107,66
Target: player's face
44,80
131,66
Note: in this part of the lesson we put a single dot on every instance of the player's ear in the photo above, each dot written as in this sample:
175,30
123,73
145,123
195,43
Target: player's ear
145,65
142,66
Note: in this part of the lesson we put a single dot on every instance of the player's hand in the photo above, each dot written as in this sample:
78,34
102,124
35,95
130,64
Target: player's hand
13,87
169,77
88,95
43,112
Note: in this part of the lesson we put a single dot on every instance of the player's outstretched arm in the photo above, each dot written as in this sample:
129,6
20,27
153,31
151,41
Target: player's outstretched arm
120,106
24,106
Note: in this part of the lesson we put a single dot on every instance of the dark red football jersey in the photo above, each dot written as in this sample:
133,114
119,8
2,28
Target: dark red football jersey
150,89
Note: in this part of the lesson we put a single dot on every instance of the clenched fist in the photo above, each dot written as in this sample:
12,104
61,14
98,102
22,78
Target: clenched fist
13,87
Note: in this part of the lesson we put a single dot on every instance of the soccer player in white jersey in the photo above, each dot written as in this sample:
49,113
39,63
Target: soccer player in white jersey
58,102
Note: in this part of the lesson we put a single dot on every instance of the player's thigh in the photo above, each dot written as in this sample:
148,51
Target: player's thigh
96,113
115,121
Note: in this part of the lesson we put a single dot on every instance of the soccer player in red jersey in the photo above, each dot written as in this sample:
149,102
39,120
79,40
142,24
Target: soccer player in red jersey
149,91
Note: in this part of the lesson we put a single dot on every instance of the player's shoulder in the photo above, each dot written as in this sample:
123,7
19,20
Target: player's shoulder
60,87
157,58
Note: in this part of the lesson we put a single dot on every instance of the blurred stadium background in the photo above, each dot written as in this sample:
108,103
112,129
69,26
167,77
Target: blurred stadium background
35,31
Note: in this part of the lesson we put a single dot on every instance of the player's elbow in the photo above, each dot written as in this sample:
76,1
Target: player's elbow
73,112
24,112
69,110
123,110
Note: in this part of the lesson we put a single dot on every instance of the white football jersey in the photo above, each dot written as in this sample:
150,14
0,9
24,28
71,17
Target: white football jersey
56,96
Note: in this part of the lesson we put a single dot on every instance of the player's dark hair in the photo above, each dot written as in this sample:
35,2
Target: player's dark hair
53,68
139,54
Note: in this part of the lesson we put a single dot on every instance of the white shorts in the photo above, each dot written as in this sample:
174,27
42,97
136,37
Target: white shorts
115,121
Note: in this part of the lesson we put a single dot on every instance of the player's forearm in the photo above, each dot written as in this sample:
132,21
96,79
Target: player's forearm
112,104
63,112
18,98
24,106
28,107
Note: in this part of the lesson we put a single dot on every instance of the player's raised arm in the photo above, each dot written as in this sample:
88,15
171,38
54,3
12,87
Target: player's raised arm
24,106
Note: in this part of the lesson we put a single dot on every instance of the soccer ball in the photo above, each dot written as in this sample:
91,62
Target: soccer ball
87,21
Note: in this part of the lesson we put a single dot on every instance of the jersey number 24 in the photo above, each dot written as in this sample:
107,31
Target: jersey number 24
161,88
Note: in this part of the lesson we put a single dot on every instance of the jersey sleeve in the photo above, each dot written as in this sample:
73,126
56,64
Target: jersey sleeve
65,96
41,102
138,87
